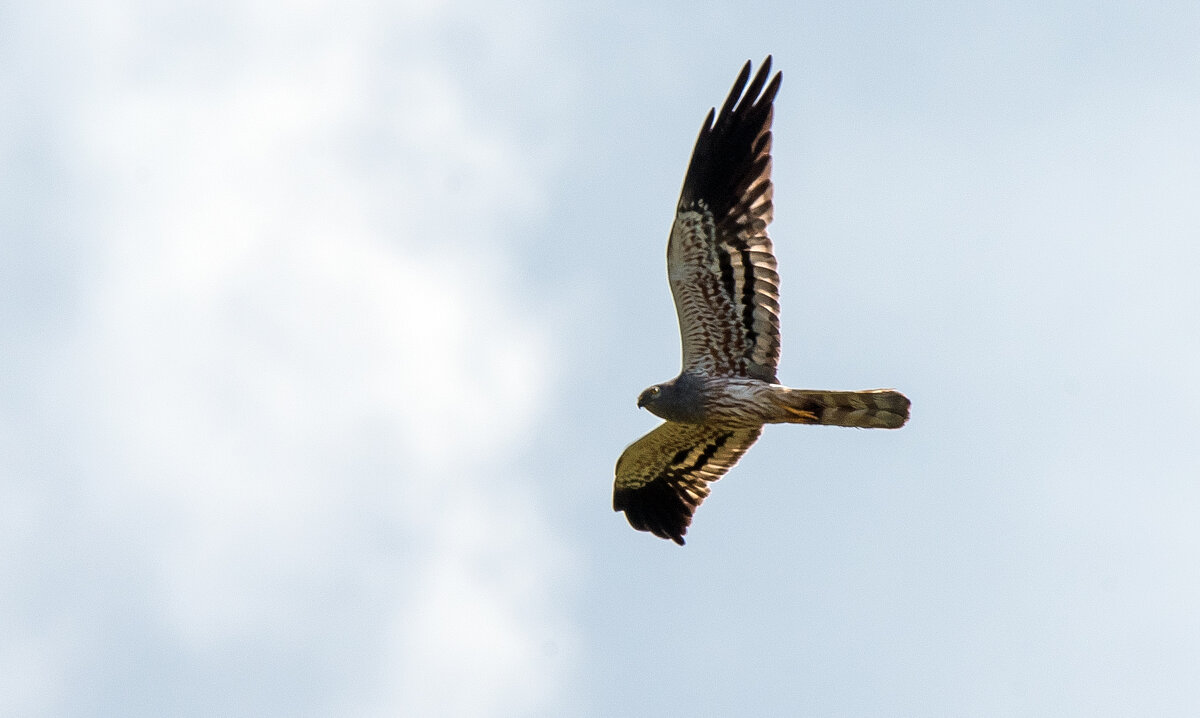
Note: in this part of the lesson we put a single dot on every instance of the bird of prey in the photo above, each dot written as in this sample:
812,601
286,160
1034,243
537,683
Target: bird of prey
723,277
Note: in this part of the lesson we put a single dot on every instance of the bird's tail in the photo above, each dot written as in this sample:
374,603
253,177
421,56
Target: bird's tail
874,409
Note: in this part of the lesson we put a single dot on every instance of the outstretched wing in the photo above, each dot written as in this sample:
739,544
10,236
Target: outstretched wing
719,257
663,476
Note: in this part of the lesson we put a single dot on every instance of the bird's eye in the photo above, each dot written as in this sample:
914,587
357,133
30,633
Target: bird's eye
655,390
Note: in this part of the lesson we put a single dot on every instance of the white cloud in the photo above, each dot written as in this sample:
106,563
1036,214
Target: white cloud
294,376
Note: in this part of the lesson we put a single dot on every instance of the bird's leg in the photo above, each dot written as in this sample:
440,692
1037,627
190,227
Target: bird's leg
807,416
794,415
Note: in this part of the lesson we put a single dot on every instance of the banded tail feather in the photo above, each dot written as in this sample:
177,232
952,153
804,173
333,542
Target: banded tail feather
872,409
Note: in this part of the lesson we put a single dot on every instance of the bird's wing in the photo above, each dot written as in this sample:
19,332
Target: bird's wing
663,476
719,257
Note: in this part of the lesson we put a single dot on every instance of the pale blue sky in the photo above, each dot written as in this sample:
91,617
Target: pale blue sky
321,328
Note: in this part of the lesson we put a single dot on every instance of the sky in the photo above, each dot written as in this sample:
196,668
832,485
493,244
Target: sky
322,326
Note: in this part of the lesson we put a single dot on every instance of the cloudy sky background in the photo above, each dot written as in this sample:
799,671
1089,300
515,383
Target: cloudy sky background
322,326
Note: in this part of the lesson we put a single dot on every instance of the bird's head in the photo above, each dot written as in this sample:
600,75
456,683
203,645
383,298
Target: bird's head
649,396
681,399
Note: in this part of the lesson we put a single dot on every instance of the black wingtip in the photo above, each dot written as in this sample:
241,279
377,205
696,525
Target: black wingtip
730,141
656,509
738,85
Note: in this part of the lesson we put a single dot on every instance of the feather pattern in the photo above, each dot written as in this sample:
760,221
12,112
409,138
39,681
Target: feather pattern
663,476
720,261
725,283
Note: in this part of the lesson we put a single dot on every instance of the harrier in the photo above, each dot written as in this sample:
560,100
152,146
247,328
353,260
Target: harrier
723,277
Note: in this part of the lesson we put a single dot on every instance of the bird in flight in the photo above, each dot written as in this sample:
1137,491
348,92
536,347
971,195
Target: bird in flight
723,277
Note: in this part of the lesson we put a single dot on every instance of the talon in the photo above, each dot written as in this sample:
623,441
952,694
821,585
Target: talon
802,413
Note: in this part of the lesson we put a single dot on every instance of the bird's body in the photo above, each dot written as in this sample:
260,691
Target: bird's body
723,276
733,402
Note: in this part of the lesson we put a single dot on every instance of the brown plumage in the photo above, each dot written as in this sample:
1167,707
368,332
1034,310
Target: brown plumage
723,277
